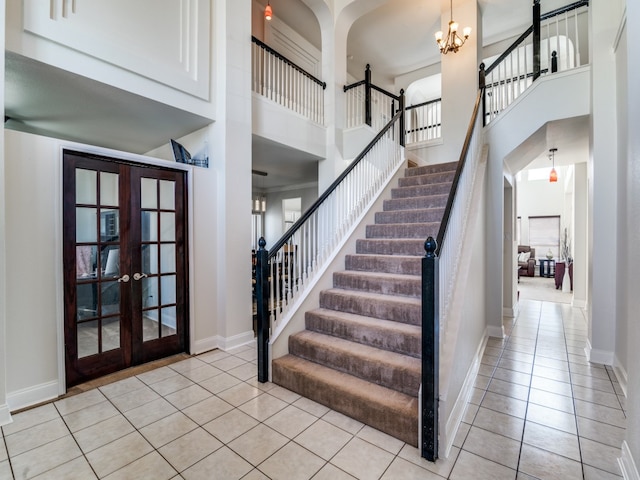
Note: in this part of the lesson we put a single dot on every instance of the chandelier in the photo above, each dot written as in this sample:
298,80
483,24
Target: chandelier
453,41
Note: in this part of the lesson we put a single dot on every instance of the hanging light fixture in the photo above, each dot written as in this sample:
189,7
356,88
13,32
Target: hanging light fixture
453,41
268,13
553,175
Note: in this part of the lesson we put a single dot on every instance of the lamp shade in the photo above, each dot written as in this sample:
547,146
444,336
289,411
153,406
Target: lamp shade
553,175
268,13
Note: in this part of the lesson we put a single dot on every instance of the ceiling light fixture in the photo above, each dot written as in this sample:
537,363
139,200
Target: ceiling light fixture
553,175
268,13
453,41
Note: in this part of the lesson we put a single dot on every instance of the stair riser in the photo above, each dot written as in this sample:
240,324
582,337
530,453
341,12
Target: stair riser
427,169
410,216
367,334
398,312
421,190
399,424
406,230
405,288
435,201
374,263
384,247
426,179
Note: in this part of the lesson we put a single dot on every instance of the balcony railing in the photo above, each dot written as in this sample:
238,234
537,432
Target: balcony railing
424,121
282,81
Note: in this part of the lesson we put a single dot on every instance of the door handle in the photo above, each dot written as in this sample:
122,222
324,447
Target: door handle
124,278
138,276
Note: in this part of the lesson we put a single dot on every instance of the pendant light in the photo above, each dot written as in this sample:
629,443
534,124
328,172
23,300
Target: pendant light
553,175
268,13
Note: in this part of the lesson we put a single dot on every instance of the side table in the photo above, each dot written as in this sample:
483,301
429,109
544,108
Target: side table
547,267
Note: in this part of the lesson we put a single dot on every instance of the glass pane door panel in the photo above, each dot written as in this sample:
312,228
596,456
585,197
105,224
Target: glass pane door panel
168,321
167,195
149,193
88,338
150,330
110,298
110,333
86,300
149,226
110,262
168,258
150,292
168,289
109,225
86,222
109,189
86,258
86,186
167,227
150,259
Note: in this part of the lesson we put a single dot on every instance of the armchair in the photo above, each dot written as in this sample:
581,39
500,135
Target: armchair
528,267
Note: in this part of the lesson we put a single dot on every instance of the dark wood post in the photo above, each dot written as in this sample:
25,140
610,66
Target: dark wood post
402,126
481,86
554,61
262,305
367,95
430,352
536,39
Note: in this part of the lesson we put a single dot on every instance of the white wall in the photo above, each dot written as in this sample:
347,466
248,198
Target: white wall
273,219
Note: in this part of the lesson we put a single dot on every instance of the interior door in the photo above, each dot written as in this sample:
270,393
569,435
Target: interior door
125,275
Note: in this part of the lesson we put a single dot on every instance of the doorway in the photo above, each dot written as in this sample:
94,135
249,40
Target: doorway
125,264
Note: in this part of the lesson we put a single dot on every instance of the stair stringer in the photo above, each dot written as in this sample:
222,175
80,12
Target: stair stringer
323,279
455,392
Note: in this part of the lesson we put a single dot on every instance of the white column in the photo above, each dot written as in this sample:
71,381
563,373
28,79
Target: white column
4,409
602,177
230,183
580,261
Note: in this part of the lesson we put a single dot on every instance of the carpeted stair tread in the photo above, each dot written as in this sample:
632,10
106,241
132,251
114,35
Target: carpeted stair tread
431,201
403,230
386,307
438,177
382,367
391,246
423,215
387,410
386,334
424,169
378,282
403,264
412,191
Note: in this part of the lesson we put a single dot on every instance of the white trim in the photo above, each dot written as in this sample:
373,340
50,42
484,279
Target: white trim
602,357
32,395
460,405
579,303
621,375
211,343
59,274
5,415
620,32
627,464
204,345
510,312
493,331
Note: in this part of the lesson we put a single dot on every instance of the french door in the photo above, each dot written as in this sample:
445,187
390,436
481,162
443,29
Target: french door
125,265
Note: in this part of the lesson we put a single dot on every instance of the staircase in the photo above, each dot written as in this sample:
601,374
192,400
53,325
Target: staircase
360,352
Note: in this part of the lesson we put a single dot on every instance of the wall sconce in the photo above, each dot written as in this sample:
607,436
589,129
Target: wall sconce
553,175
268,13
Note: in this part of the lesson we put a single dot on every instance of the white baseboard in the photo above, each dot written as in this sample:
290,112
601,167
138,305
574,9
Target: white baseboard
457,412
497,332
602,357
627,464
621,375
32,395
579,303
510,312
211,343
5,415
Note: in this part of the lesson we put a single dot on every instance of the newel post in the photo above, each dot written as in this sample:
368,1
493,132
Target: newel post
402,119
482,79
367,95
430,352
554,61
536,39
262,304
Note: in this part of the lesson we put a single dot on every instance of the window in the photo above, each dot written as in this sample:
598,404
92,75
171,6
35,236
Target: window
544,235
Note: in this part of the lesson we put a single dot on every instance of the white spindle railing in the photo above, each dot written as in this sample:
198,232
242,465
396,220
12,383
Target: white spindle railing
304,250
355,106
423,122
281,81
563,35
451,242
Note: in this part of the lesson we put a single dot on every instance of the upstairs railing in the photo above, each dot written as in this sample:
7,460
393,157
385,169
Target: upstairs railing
290,266
556,41
424,121
279,79
439,269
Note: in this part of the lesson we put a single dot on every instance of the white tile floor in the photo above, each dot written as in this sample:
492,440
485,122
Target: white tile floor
538,411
